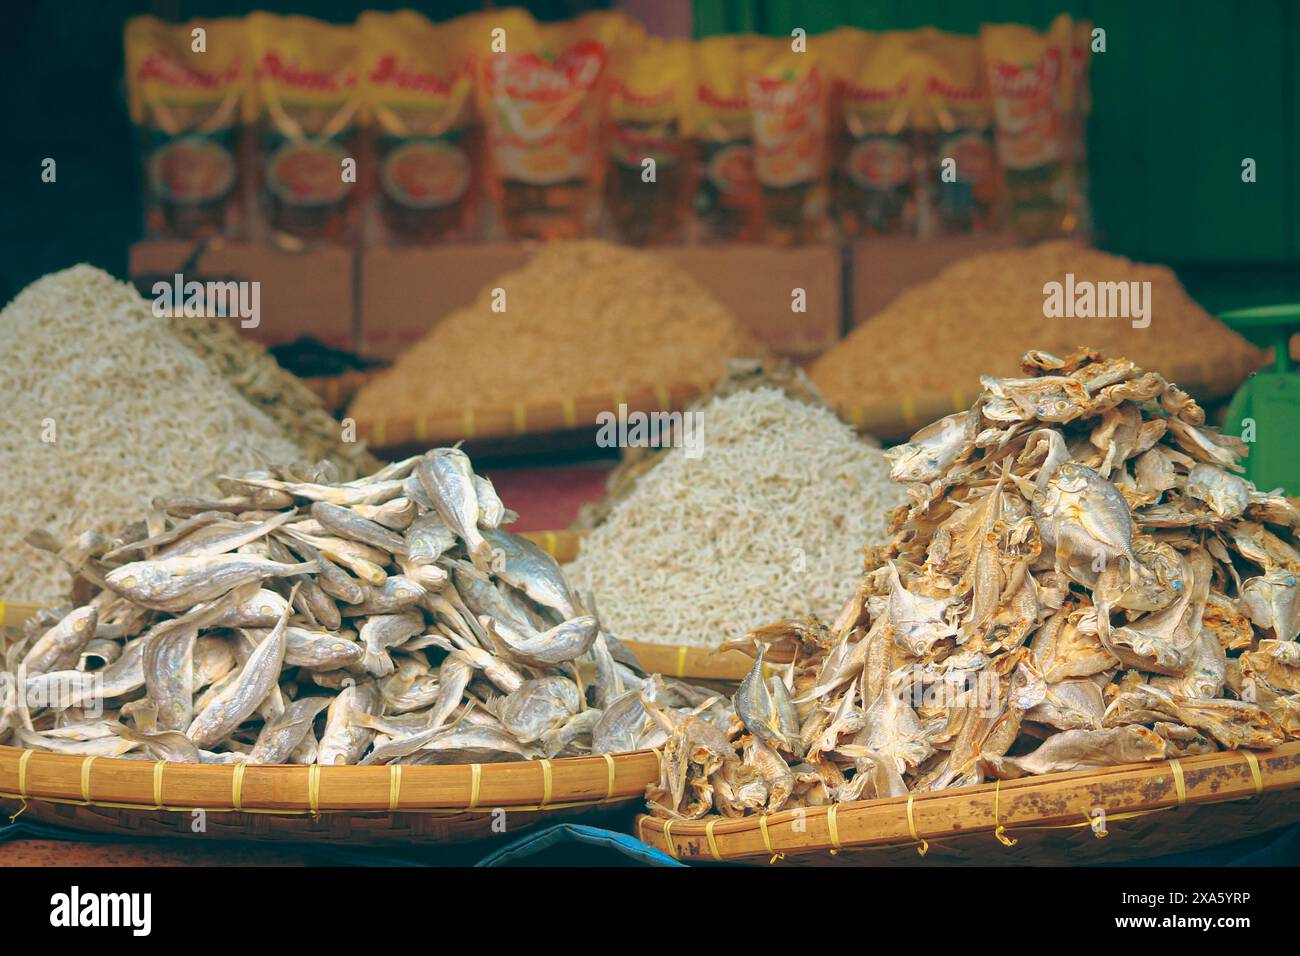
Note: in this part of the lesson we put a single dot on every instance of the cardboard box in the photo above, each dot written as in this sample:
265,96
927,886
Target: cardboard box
405,292
885,266
309,293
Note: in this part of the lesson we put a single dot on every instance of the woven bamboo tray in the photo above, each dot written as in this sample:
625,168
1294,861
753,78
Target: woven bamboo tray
1099,816
379,805
898,420
520,419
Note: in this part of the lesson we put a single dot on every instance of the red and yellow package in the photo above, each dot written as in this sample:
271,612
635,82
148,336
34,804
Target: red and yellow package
542,92
418,81
649,185
874,164
719,123
789,93
1077,106
954,123
1024,71
186,82
305,103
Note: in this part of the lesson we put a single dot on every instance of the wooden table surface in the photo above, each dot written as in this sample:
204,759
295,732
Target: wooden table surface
46,853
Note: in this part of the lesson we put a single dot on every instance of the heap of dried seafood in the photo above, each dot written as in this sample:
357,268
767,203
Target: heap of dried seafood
393,614
1080,579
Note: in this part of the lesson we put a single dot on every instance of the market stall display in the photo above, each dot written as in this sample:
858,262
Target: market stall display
924,354
582,320
1081,580
102,400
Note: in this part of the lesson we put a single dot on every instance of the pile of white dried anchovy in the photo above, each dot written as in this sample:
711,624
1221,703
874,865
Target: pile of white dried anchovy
1080,579
387,619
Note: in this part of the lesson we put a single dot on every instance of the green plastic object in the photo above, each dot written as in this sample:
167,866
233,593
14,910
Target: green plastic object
1266,408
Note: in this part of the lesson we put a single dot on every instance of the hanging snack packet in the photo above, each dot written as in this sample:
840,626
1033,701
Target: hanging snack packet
873,178
1024,71
649,185
542,89
788,99
954,120
305,103
186,82
1077,107
418,81
728,199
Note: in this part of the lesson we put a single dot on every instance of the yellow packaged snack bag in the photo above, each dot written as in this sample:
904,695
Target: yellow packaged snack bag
542,89
185,82
305,103
418,81
728,199
1024,68
788,97
874,174
1078,105
954,120
649,184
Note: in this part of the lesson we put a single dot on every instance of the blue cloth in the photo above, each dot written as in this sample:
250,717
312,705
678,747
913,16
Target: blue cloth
540,847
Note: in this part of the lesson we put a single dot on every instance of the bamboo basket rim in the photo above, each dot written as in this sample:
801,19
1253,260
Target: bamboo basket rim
919,820
291,789
521,419
1208,378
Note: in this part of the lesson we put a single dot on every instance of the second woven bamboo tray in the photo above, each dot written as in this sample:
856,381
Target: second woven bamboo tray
520,419
1108,815
898,420
379,805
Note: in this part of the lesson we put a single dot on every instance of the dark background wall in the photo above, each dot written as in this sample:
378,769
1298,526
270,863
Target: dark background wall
1186,89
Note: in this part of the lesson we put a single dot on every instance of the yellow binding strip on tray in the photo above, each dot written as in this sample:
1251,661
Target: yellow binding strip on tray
713,844
668,839
379,432
157,783
681,661
475,775
958,400
833,827
394,785
467,421
609,783
767,840
663,398
422,427
570,412
924,847
237,787
999,830
521,418
550,543
907,408
313,788
1255,773
546,782
1180,785
85,778
22,783
2,613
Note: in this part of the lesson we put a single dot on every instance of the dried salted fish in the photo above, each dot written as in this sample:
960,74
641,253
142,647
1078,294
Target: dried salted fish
1080,579
298,620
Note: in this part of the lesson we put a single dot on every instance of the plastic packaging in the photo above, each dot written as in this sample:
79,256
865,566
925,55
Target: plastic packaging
875,164
425,136
186,82
648,202
305,102
788,95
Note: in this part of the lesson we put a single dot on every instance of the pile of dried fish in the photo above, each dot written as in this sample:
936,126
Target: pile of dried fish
387,619
1080,579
